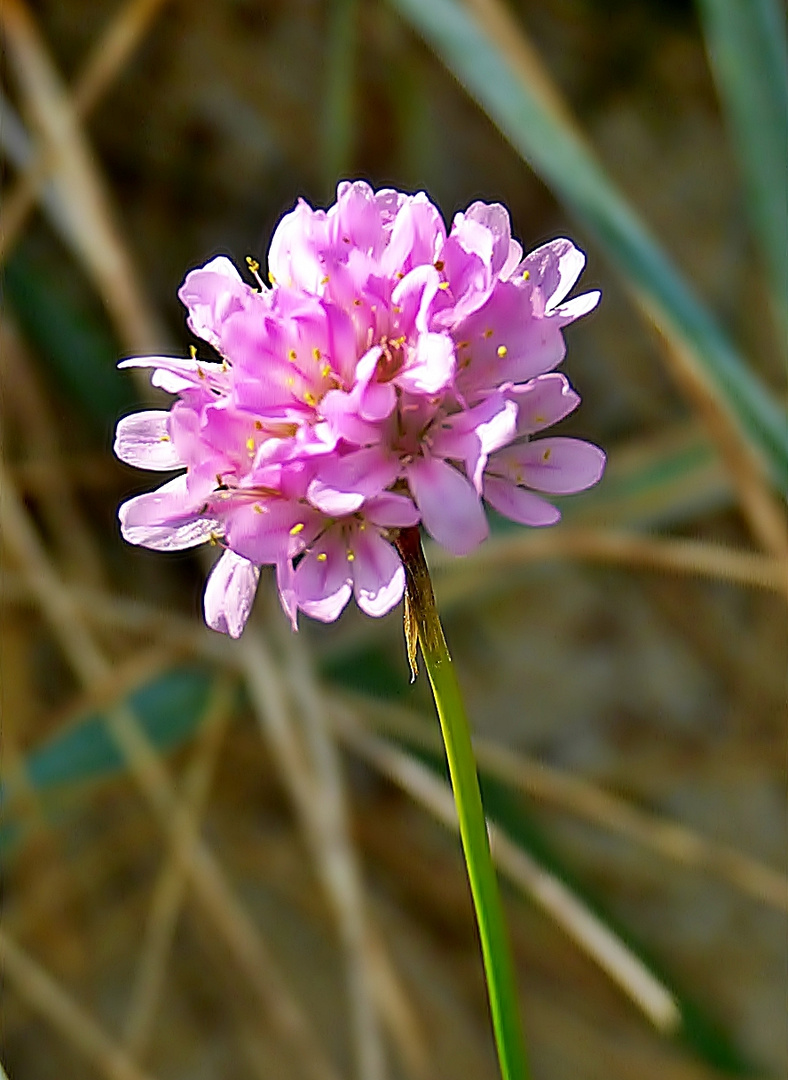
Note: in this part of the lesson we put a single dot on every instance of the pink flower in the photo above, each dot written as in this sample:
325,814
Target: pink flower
392,374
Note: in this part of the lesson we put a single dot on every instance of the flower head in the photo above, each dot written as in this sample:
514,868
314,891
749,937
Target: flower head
392,374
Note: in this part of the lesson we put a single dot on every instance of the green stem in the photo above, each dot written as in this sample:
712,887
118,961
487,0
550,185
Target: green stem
422,621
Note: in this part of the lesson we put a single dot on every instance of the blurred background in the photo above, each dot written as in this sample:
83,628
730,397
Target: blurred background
236,859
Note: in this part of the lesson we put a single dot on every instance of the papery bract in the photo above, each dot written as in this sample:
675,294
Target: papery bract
393,373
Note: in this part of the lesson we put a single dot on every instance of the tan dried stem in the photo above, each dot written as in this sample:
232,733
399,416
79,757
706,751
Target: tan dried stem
114,48
91,224
308,764
39,429
542,887
211,889
45,996
505,554
169,891
584,799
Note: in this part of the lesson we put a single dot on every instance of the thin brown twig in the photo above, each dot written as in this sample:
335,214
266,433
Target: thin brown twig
229,919
43,994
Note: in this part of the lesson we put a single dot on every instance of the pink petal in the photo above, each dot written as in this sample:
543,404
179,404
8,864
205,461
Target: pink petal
543,401
270,530
559,465
211,294
391,511
142,439
554,268
378,574
343,484
473,434
166,519
322,586
495,218
518,504
451,510
432,367
229,594
576,307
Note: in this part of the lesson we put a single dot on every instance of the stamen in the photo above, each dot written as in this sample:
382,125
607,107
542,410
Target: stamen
296,529
258,424
324,281
316,353
292,356
250,444
351,556
502,351
488,332
322,557
443,285
310,399
439,265
526,275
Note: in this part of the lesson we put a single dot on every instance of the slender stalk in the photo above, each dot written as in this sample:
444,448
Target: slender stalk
422,623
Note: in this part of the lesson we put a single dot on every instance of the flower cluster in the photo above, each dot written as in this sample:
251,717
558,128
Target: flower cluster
392,374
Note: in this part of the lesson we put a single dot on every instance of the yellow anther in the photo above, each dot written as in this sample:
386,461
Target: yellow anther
253,264
502,351
351,556
214,539
200,372
290,381
164,438
526,275
325,370
546,454
316,353
357,302
292,355
539,419
399,275
296,529
443,285
193,351
439,265
488,332
271,278
324,281
322,557
258,424
250,444
258,508
463,344
310,399
397,309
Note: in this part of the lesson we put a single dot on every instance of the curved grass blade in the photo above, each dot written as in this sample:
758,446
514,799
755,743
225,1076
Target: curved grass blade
527,115
747,48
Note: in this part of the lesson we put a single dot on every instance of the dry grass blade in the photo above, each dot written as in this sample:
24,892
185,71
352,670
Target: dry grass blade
33,415
311,771
92,227
579,797
169,892
543,888
211,889
105,62
747,470
42,993
336,855
504,554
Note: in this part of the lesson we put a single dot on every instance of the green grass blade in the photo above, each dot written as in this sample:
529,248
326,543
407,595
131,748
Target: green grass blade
746,43
548,141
